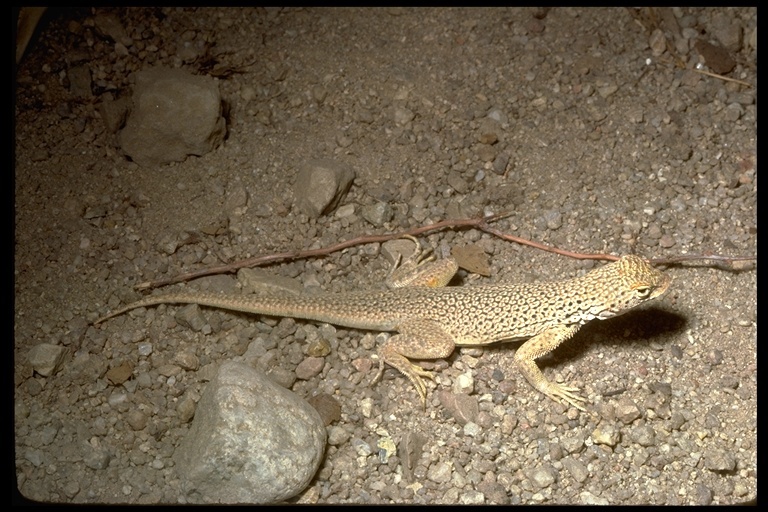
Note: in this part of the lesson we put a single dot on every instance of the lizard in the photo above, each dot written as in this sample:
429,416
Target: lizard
431,319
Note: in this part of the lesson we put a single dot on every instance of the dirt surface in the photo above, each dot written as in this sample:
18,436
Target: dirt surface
595,133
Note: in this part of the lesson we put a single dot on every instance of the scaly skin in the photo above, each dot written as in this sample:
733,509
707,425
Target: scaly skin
431,321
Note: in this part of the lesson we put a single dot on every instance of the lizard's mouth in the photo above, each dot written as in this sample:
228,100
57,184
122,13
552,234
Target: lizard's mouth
663,287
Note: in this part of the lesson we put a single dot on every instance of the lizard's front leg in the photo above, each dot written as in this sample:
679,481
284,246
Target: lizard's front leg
416,339
544,343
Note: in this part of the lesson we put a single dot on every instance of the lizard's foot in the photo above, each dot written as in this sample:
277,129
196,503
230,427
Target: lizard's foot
417,339
559,392
543,343
421,269
413,372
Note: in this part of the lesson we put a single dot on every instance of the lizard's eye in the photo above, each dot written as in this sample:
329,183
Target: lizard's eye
643,291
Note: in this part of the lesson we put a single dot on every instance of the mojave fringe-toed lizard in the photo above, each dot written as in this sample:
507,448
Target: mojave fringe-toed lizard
431,319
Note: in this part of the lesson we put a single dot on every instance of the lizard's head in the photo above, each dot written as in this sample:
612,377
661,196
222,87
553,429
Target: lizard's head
629,282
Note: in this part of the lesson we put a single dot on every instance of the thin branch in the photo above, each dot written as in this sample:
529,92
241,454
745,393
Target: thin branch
730,261
721,77
323,251
544,247
480,223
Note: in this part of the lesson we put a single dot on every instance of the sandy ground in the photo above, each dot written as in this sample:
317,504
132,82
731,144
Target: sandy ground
594,133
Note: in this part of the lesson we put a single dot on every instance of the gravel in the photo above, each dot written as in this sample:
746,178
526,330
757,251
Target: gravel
594,136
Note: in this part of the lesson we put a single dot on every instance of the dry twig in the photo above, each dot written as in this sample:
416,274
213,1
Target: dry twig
481,223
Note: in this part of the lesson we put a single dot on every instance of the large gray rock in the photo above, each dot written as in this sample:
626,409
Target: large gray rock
251,441
46,358
321,185
175,114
